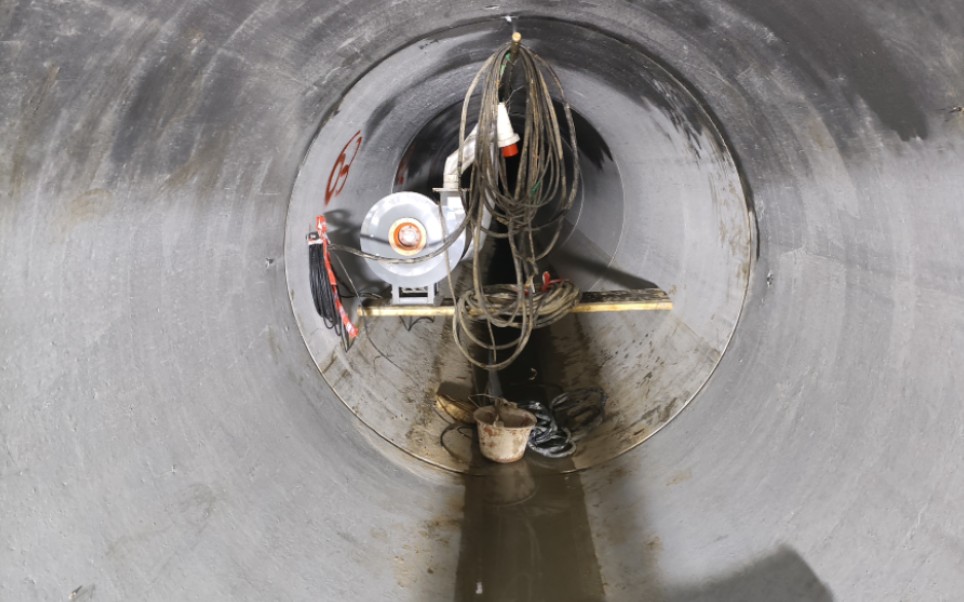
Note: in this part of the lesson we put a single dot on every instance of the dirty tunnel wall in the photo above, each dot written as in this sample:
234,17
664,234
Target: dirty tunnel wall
164,433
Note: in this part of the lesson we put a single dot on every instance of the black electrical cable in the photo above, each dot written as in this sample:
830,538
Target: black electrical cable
548,438
326,297
354,292
322,292
565,420
542,183
580,410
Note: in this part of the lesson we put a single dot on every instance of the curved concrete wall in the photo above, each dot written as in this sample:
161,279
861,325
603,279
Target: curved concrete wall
165,434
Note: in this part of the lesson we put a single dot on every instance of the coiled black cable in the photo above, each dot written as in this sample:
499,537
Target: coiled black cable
565,420
322,291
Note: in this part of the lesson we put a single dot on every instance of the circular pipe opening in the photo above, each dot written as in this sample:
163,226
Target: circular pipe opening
661,202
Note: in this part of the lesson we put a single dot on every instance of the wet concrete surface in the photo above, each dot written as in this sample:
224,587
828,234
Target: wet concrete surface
526,536
525,533
164,434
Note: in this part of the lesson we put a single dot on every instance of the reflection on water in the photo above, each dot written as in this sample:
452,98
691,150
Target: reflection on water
526,536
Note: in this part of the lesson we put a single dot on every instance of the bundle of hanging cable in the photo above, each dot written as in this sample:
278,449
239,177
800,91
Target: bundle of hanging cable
322,291
543,184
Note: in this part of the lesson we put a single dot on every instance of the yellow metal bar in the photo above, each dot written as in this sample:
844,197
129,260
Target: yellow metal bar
652,299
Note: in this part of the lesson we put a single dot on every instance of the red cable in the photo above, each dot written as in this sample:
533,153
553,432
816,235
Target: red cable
321,225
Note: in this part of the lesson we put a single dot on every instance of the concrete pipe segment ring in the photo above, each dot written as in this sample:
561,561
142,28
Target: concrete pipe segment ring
176,424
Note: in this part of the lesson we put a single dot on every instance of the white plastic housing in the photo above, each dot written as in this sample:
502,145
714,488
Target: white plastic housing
506,134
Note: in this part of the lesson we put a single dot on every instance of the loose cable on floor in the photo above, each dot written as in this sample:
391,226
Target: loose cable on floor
565,420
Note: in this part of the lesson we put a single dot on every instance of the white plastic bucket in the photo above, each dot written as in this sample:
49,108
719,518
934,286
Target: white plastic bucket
503,440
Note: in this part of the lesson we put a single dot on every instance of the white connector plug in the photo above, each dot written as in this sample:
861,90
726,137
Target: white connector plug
508,139
451,174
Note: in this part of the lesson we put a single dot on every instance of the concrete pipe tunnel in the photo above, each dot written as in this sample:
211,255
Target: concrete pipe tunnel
177,423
